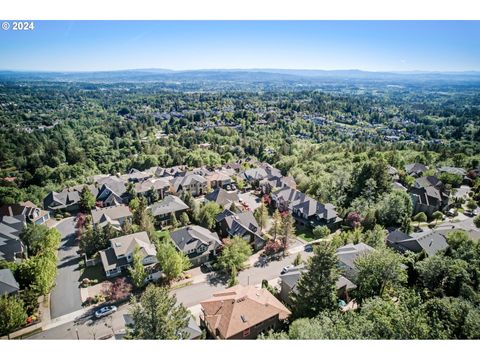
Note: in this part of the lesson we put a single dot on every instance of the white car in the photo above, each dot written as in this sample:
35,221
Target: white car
104,311
286,268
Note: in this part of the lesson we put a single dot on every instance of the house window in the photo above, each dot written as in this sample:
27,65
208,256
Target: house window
246,332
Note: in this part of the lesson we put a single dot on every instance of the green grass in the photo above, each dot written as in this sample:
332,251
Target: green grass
93,273
163,234
305,234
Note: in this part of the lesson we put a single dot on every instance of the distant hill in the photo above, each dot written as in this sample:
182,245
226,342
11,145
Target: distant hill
244,75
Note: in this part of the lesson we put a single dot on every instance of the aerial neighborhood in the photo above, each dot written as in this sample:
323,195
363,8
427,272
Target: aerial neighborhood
181,226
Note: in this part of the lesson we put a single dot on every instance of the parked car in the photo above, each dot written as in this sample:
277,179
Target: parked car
452,212
308,248
285,269
104,311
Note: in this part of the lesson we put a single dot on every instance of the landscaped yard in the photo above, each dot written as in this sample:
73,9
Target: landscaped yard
93,273
163,234
305,233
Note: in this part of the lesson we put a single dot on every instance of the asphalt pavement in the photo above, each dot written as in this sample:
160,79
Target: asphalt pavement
65,296
87,327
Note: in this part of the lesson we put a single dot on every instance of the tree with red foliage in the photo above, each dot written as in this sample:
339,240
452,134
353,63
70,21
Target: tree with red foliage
272,247
353,219
117,290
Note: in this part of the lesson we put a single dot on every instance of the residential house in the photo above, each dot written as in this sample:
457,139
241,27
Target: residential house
430,242
160,186
397,186
393,172
136,176
289,281
11,247
112,191
193,183
429,195
242,224
8,284
198,243
68,200
348,254
415,169
163,209
242,312
452,170
305,210
120,253
33,214
254,176
223,198
13,219
113,215
192,329
276,182
219,179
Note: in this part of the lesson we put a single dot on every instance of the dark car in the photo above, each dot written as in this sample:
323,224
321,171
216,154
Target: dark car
308,248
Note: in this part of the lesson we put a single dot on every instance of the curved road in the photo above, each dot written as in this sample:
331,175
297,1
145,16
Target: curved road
65,296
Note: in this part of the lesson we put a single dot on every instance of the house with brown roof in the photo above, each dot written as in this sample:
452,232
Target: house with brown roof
218,179
120,253
242,312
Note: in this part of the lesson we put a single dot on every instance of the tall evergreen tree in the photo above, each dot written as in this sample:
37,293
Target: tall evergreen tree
87,200
316,290
137,270
157,316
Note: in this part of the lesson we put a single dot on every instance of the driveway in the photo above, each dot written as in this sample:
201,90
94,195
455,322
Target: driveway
65,296
193,294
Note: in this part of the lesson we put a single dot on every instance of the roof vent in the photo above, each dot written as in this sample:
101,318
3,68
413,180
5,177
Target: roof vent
117,244
244,318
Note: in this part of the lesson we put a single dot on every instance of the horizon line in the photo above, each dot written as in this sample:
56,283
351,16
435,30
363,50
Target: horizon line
243,69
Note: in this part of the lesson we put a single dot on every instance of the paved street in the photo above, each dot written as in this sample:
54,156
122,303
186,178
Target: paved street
190,296
65,297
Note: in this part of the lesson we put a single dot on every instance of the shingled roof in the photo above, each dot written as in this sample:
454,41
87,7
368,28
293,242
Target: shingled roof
239,308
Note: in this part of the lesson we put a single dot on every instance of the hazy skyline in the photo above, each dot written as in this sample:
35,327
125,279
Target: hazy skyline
183,45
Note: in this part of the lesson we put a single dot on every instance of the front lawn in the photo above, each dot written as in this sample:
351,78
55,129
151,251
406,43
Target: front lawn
93,273
305,233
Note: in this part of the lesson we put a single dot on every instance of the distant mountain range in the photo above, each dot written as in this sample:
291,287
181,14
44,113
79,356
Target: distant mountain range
245,75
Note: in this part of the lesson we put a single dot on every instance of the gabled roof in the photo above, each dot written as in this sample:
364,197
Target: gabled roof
188,179
415,168
191,237
239,223
452,170
254,174
168,205
8,284
349,253
298,201
155,184
110,214
292,276
126,244
426,181
239,308
430,242
28,209
113,184
10,229
222,197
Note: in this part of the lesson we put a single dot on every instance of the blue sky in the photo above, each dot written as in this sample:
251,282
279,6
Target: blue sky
180,45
